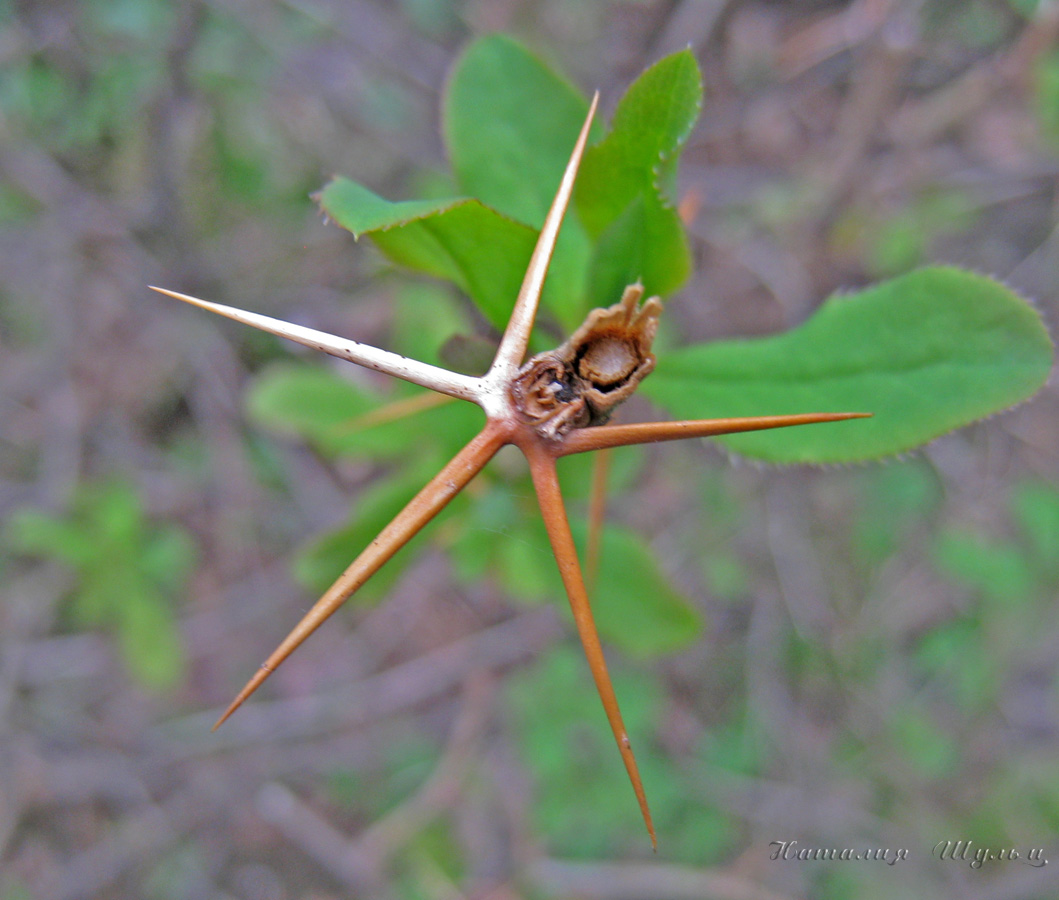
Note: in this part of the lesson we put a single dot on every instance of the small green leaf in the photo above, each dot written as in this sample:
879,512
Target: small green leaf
317,404
644,244
625,186
638,158
926,353
478,249
124,568
321,406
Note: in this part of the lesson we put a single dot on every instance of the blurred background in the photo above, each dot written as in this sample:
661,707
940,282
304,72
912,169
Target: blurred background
878,656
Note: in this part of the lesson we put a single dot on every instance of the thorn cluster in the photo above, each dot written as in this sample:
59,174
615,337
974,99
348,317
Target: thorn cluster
553,406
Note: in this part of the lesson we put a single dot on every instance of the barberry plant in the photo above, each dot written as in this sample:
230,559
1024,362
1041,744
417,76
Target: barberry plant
914,357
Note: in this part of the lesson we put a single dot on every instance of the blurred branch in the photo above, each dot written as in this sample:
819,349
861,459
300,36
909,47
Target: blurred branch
139,838
361,862
441,789
634,881
385,694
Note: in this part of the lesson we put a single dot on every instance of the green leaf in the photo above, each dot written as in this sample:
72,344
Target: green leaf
625,186
478,249
645,244
639,156
926,353
509,123
321,406
426,318
317,404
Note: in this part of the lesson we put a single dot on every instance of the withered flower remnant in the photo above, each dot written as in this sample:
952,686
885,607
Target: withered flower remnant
580,383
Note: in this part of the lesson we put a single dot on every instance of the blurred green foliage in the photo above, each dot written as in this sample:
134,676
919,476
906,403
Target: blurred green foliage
562,739
128,570
894,241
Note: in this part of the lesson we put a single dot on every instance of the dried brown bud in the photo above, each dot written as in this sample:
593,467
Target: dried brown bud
581,382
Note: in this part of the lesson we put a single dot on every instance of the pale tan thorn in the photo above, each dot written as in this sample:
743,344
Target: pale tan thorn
516,337
605,436
420,510
546,484
441,380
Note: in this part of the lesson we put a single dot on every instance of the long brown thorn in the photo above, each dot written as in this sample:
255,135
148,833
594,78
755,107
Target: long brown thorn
420,510
546,483
605,436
